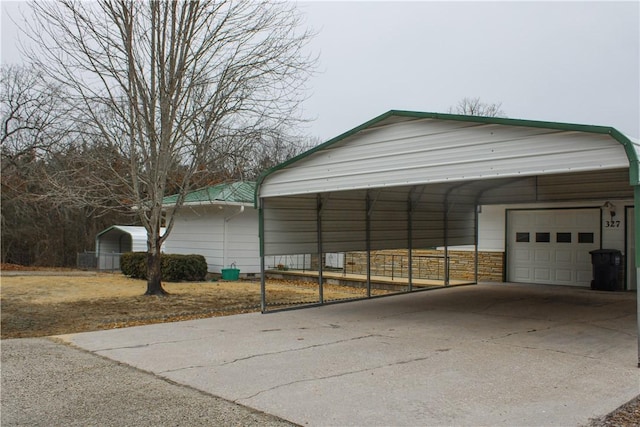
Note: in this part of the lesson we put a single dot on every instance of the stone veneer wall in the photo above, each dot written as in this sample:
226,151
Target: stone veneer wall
429,264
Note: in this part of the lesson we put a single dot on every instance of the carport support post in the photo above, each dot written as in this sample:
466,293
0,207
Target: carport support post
475,244
636,218
446,240
319,228
410,243
368,243
263,287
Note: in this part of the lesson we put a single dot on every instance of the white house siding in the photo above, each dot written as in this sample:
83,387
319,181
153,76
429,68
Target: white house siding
210,229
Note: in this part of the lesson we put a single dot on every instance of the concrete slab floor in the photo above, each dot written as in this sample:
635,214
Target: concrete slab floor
489,354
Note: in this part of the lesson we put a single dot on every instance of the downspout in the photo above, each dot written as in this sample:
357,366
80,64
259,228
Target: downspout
225,242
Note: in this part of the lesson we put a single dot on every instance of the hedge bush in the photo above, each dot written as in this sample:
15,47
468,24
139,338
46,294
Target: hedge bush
175,267
134,264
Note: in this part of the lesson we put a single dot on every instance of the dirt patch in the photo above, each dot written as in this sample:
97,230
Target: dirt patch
40,305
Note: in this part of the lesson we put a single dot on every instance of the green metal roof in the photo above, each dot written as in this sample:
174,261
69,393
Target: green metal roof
237,192
400,115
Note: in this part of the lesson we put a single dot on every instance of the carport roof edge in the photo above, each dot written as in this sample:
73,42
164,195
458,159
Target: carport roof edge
630,150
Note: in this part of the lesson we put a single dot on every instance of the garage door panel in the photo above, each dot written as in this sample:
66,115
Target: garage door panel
542,255
584,276
563,255
557,251
522,275
544,219
523,255
524,220
541,274
584,219
564,276
583,257
563,221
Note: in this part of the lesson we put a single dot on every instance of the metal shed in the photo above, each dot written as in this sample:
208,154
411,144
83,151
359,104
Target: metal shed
117,239
415,180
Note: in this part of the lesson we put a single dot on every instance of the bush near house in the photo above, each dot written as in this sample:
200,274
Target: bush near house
175,268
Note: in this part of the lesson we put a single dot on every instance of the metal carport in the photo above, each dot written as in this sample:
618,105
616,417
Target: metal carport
408,180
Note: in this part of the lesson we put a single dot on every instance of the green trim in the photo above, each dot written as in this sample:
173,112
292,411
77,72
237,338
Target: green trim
634,162
636,219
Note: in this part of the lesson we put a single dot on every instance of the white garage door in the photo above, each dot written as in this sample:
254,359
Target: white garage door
552,246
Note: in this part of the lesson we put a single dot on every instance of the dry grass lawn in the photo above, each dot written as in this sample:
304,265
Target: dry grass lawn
43,305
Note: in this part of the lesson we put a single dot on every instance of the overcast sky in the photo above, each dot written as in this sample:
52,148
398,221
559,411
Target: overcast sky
575,62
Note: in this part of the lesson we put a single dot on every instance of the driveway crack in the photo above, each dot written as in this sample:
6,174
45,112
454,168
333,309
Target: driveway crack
343,374
253,356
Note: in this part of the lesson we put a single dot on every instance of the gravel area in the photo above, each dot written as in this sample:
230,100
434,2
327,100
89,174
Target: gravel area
627,415
45,383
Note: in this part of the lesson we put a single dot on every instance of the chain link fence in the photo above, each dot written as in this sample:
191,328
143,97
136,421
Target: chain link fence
98,261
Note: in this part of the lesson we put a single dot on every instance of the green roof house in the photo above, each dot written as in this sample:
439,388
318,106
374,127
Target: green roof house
220,223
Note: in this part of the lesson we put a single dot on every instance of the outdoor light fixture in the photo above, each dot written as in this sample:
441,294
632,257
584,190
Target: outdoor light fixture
611,207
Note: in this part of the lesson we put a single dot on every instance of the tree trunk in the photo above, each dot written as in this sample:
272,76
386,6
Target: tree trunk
154,274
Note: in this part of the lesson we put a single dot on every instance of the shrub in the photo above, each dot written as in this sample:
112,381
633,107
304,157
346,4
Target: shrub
183,267
134,264
175,268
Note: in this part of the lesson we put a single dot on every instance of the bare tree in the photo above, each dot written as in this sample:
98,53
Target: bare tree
32,118
475,107
246,159
161,83
34,135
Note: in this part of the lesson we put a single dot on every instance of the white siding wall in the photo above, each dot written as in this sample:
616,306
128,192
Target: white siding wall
203,230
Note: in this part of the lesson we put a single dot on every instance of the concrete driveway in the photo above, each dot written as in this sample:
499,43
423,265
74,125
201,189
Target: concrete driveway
497,354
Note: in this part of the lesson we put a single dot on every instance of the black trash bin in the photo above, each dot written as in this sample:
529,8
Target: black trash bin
606,266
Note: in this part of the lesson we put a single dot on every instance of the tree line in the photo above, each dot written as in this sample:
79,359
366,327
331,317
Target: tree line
49,161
